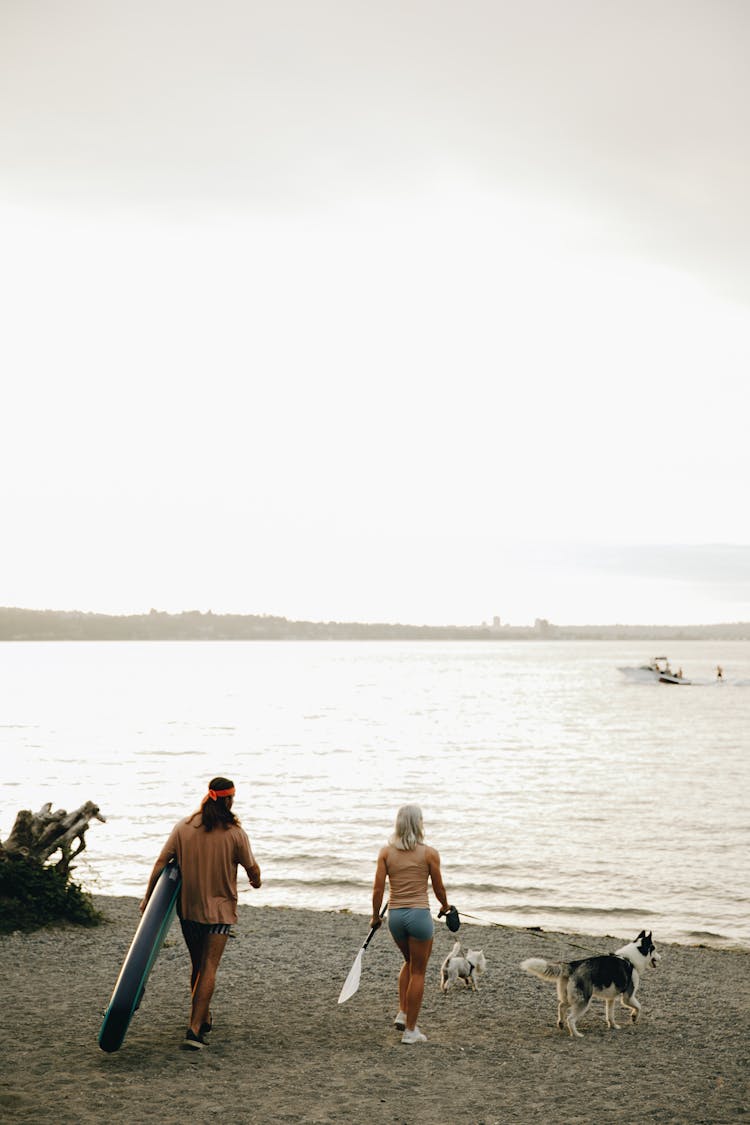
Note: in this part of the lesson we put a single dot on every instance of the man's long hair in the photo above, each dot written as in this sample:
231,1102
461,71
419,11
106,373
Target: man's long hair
215,811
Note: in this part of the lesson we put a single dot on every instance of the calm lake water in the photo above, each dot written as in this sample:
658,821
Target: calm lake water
558,793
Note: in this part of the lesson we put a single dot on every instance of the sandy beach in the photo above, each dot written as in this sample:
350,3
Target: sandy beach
282,1050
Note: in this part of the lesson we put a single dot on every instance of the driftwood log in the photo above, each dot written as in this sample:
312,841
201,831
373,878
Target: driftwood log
38,836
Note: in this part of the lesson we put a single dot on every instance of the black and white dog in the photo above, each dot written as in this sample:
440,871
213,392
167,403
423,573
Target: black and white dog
610,976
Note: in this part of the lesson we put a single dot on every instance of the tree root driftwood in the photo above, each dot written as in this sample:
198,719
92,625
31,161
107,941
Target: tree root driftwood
38,836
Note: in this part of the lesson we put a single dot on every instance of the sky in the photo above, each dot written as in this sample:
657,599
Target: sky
420,312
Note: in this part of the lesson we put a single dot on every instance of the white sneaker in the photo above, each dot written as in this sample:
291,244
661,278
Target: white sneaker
400,1021
414,1036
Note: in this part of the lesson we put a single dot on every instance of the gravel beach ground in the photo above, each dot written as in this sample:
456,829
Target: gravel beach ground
283,1050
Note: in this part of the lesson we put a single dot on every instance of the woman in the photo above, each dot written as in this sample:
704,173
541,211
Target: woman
407,862
208,846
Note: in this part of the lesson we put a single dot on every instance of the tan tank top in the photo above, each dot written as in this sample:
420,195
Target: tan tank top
407,874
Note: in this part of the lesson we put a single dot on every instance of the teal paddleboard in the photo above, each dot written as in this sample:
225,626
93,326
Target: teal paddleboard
144,948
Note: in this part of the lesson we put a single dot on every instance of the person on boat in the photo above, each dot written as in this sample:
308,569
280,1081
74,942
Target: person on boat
208,845
408,863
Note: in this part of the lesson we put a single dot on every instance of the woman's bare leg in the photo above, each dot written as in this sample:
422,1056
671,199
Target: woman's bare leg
419,955
403,976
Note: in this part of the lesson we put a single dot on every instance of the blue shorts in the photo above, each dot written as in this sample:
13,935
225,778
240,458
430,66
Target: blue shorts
410,921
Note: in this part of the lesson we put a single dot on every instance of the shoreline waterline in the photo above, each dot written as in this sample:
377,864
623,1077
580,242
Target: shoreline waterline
468,921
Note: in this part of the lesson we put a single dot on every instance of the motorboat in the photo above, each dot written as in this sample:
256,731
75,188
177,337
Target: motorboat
658,669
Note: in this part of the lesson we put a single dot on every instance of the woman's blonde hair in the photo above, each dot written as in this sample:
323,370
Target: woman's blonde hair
409,829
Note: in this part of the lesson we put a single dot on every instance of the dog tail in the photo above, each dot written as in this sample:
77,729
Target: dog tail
545,970
457,951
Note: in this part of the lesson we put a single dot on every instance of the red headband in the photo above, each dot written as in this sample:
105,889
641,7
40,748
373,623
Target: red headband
214,793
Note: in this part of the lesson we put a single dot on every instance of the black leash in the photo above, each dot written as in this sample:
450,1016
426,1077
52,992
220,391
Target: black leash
535,932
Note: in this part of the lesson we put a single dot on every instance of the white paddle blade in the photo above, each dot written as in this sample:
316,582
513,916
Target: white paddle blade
351,984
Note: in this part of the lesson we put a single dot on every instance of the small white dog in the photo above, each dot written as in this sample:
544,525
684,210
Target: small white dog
463,966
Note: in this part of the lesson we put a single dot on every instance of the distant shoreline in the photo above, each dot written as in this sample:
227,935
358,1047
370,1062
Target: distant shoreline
192,625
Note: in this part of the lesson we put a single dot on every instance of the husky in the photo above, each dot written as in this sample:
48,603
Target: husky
464,966
610,976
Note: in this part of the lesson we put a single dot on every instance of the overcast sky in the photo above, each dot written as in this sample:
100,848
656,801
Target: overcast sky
400,311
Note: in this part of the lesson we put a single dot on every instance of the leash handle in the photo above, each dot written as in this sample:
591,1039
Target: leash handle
452,920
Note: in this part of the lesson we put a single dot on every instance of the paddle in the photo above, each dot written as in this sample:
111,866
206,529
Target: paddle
351,984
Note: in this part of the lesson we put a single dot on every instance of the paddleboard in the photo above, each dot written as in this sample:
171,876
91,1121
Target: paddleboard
144,948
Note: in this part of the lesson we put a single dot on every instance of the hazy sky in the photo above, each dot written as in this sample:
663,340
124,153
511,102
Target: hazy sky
399,311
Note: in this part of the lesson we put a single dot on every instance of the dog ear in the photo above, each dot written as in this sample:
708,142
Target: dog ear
642,934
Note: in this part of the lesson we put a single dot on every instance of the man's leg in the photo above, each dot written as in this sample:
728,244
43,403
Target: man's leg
213,947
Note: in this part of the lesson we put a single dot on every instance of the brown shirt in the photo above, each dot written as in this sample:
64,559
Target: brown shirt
208,865
407,875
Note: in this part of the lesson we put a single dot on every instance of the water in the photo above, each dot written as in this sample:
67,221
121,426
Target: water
558,793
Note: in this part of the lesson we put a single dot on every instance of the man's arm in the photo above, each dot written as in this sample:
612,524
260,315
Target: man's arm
247,860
